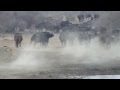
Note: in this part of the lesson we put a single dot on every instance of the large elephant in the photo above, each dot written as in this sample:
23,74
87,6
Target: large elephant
67,37
18,39
63,38
42,38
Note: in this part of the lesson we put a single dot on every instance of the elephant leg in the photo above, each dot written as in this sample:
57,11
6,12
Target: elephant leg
31,42
16,44
20,44
45,44
40,43
34,44
64,43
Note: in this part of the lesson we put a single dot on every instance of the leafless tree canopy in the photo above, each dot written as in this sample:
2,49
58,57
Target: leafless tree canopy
10,20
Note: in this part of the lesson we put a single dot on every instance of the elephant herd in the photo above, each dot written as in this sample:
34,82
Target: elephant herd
85,36
41,37
105,38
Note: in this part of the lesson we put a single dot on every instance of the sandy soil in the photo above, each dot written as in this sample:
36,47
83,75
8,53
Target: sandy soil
50,63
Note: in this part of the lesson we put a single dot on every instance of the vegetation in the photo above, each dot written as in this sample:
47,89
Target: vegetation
38,20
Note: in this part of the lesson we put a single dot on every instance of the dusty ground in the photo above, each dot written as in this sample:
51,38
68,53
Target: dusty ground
50,63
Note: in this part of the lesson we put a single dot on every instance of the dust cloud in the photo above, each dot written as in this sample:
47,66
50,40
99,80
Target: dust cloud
31,58
93,52
36,58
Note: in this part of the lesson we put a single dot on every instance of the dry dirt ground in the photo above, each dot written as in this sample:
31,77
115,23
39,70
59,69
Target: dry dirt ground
30,62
